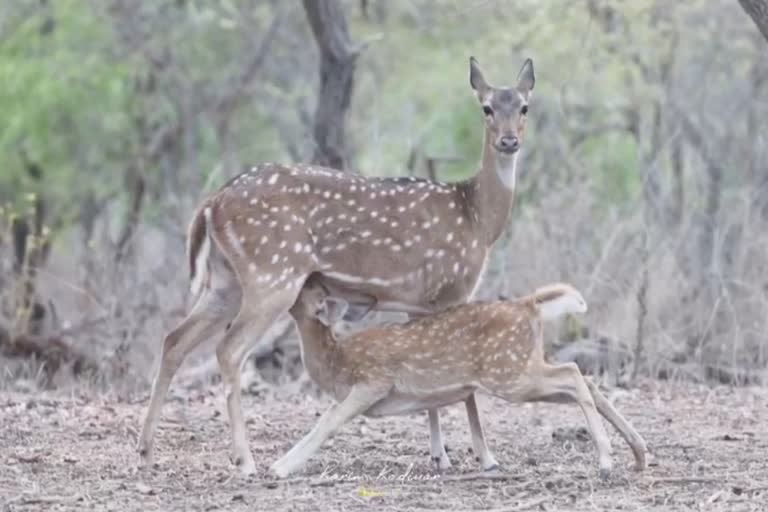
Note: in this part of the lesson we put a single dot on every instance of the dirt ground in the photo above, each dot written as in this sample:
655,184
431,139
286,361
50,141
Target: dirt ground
709,451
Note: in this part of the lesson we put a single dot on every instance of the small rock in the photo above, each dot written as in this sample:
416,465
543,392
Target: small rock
145,489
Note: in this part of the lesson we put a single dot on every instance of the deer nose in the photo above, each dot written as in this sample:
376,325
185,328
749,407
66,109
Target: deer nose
509,144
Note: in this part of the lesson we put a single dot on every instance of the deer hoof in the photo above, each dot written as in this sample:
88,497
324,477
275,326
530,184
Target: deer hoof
247,467
145,458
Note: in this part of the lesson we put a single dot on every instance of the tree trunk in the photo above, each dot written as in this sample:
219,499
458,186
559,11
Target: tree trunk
678,184
758,11
337,68
137,190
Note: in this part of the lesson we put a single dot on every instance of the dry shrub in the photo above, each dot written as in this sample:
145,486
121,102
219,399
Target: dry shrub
704,321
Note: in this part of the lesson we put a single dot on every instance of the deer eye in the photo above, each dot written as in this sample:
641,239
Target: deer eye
487,110
524,110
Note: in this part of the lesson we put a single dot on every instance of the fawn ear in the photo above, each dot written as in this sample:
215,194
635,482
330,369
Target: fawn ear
477,80
333,311
526,78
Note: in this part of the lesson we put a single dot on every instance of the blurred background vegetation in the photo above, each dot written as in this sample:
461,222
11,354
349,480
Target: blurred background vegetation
644,175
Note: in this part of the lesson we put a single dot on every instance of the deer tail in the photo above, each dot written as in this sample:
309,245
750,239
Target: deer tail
199,250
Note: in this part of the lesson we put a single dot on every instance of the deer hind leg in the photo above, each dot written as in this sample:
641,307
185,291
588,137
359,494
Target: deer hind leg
258,310
436,446
359,399
630,435
209,316
483,454
565,380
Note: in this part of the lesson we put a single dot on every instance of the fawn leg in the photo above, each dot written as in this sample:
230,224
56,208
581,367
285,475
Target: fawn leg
566,379
630,435
359,399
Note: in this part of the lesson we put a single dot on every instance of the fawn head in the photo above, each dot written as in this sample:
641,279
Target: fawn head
505,108
315,301
559,299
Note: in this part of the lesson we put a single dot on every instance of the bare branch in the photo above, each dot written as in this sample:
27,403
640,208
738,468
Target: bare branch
758,11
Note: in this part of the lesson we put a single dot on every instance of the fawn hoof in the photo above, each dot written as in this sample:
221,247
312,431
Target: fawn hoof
641,460
605,464
279,471
495,467
442,462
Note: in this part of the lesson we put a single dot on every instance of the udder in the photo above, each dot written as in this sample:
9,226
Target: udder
397,402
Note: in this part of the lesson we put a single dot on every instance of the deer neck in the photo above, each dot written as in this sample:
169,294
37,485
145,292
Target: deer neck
318,348
492,189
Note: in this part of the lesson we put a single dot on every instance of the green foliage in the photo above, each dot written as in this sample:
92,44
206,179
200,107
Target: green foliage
75,99
613,159
65,104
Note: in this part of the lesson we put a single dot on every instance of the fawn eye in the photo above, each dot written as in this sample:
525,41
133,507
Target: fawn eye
524,110
487,110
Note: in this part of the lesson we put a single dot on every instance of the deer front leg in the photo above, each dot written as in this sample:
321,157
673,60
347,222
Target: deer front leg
436,446
483,454
359,399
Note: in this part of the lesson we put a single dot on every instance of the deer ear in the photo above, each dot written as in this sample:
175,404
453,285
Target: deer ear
526,78
476,79
333,311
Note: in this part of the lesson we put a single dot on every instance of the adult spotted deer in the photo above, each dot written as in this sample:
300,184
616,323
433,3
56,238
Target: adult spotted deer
401,244
443,358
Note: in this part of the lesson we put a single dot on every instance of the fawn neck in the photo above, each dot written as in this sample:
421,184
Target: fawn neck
492,189
318,348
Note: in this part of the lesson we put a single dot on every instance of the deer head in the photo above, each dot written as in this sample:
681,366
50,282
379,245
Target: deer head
505,108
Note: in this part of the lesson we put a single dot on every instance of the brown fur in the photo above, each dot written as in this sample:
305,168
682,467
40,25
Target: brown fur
408,245
441,359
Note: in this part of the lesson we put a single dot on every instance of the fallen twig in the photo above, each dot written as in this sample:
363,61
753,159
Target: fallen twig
522,506
29,459
684,480
477,476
